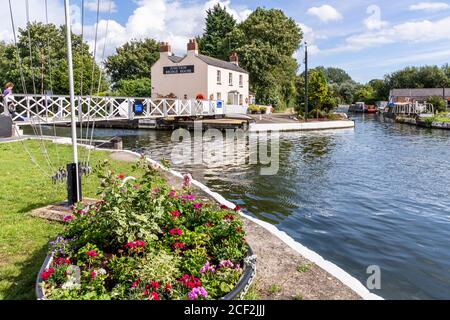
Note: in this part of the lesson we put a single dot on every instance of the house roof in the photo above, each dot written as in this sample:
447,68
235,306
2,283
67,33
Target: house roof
425,92
212,62
220,63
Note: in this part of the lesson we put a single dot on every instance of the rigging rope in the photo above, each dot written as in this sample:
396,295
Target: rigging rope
92,76
24,87
51,85
43,148
100,77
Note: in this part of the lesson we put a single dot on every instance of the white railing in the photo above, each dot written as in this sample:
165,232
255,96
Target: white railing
56,108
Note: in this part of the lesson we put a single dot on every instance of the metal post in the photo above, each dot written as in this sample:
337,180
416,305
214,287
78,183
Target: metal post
306,83
73,197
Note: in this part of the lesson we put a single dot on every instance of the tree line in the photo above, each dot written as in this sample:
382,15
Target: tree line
266,43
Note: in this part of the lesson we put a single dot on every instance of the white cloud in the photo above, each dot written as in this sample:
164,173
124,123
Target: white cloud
104,5
429,6
325,13
309,36
37,13
374,22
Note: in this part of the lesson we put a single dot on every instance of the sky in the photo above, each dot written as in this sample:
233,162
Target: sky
366,38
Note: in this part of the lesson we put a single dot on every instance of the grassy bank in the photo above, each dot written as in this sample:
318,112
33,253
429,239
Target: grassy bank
23,187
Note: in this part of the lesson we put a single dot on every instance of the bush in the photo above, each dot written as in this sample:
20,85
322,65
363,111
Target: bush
253,108
144,240
438,103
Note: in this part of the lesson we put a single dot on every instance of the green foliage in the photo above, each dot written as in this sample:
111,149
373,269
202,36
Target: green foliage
438,103
48,49
335,75
304,267
274,289
133,88
132,61
218,24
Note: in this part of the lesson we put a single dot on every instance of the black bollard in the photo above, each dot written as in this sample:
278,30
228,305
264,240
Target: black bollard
72,191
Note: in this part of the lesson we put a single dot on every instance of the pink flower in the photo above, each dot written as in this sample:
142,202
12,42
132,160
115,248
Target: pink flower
237,208
135,283
198,205
68,218
93,274
91,253
176,231
172,193
187,179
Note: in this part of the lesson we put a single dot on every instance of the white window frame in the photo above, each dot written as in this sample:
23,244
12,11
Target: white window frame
219,77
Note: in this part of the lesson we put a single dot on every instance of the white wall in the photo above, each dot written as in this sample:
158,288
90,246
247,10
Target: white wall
224,87
190,84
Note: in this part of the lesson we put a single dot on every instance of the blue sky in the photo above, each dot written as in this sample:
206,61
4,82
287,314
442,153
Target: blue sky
366,38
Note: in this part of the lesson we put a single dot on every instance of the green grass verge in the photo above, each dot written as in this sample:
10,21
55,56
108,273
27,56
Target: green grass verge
23,187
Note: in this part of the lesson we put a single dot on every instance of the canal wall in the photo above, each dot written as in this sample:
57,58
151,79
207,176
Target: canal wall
337,272
302,126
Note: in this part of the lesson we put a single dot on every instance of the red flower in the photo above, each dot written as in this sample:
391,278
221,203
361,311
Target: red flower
229,217
154,296
91,253
178,245
145,292
120,176
68,218
175,214
93,274
135,283
176,231
168,287
155,284
224,207
238,230
190,281
61,261
237,208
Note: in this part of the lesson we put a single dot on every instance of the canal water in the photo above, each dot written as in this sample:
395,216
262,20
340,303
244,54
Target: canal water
375,195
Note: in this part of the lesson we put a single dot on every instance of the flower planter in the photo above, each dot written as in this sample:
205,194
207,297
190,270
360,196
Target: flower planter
248,274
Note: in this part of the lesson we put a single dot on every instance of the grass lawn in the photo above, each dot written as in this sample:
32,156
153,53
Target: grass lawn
23,187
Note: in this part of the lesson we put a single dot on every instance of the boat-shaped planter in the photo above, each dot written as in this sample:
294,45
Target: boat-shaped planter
247,277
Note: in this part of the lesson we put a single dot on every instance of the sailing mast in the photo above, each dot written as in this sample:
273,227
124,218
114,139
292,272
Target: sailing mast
73,178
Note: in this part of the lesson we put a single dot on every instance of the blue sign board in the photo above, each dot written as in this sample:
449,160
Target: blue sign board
138,107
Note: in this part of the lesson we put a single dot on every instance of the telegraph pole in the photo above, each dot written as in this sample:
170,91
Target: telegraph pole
306,83
73,172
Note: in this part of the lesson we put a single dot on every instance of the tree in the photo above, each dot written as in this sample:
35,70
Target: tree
48,49
219,23
335,75
317,90
365,94
266,42
132,61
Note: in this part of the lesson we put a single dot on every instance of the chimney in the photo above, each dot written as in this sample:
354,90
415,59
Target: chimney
192,46
165,48
234,59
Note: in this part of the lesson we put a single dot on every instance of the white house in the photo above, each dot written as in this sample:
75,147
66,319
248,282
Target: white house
196,76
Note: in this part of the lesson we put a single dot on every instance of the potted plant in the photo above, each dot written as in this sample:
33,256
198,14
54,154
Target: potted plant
147,241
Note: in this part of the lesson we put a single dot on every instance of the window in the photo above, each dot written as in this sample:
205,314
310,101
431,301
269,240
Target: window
230,79
219,77
241,81
241,99
219,96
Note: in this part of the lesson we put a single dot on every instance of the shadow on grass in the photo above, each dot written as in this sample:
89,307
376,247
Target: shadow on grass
34,206
22,286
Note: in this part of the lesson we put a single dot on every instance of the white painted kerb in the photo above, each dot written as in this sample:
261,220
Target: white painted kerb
312,256
302,126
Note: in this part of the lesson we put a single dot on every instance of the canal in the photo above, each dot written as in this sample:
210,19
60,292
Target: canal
375,195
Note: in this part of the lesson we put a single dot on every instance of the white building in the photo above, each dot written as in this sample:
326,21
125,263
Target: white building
200,77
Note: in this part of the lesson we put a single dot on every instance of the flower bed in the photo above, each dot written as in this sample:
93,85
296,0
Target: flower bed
146,241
